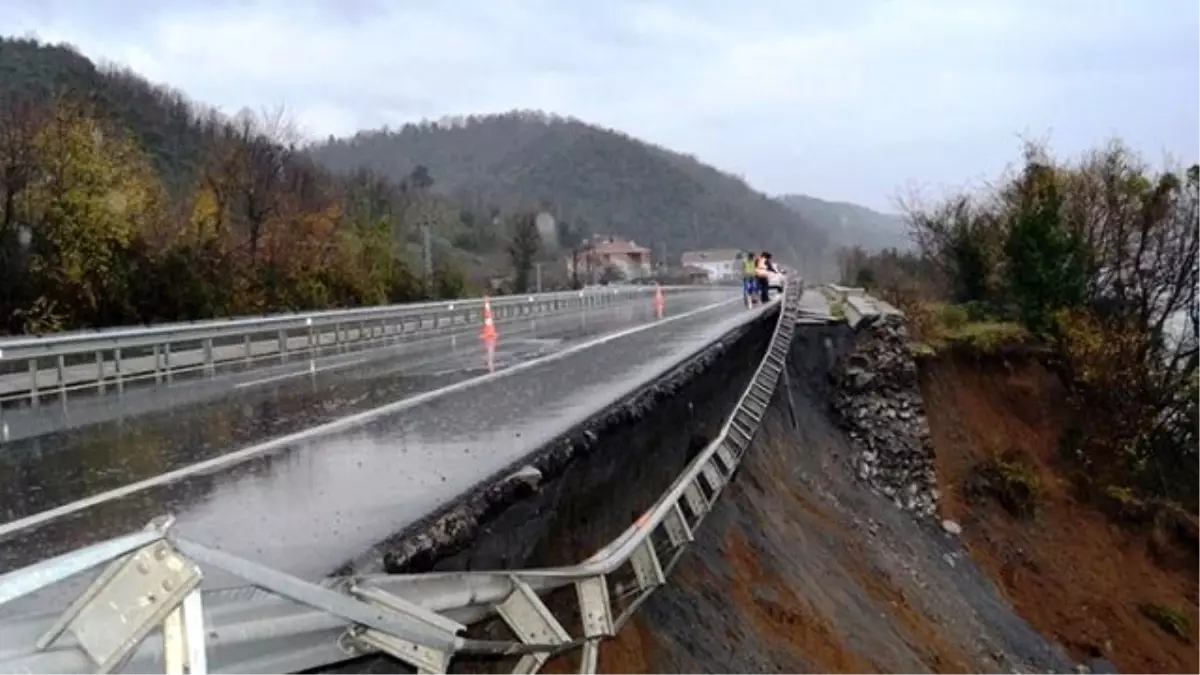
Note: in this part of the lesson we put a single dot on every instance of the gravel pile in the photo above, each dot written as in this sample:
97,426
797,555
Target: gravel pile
877,400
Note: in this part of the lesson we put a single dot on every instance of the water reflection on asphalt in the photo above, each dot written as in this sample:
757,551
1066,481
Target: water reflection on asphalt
73,463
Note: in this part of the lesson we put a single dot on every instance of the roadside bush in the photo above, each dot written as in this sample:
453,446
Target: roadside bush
1095,263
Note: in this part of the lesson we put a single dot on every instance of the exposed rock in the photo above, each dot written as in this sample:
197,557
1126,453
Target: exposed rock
530,475
877,400
951,527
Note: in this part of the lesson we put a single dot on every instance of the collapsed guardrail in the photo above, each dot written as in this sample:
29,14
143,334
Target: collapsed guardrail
35,367
284,624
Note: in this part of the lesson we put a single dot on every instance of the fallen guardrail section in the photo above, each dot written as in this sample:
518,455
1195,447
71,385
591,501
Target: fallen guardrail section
32,368
285,624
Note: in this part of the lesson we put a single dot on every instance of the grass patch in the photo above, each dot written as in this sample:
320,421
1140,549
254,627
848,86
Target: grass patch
921,350
945,326
1011,480
1170,620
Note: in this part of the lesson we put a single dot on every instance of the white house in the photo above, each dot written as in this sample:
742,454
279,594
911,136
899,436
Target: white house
720,264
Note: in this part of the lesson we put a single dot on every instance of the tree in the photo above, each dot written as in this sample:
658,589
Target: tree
1046,268
246,223
420,178
97,196
20,121
523,250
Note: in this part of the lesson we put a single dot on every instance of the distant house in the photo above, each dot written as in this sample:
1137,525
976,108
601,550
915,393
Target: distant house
720,264
598,257
692,274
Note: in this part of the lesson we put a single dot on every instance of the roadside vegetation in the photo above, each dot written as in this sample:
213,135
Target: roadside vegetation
1055,317
1090,263
121,202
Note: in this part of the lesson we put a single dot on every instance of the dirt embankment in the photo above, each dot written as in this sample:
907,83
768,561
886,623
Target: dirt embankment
801,567
1068,568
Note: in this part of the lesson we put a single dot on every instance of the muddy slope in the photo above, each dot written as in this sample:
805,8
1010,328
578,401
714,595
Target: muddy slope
1071,570
802,568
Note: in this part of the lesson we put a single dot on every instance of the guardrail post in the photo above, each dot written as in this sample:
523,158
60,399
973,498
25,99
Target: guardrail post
100,371
156,352
167,362
595,613
283,346
61,366
532,622
117,370
677,527
248,349
34,396
183,638
209,365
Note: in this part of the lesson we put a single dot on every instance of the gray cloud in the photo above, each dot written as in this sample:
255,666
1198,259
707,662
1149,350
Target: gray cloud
846,100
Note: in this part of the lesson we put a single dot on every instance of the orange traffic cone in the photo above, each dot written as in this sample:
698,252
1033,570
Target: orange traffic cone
489,325
660,303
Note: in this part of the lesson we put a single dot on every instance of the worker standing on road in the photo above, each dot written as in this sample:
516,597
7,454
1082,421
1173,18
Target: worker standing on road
761,271
749,284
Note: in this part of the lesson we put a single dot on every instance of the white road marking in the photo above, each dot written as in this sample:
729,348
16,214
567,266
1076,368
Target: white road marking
239,456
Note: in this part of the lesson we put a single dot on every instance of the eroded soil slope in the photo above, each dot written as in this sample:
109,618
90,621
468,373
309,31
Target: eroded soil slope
1074,574
802,568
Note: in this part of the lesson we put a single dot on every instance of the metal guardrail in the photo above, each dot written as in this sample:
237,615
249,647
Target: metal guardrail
287,624
33,368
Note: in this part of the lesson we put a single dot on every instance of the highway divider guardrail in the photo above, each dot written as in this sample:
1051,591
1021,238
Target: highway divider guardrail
34,368
285,624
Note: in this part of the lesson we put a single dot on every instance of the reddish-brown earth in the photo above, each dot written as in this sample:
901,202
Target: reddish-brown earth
799,568
1073,573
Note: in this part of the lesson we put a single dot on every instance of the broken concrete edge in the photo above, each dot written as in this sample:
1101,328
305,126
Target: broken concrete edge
451,528
876,398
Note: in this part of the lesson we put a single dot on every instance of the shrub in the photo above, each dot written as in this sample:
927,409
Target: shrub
1170,620
1011,480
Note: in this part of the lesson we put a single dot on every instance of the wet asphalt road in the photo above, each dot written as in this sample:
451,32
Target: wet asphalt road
159,431
312,504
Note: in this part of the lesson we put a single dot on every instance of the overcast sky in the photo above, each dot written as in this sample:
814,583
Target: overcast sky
854,100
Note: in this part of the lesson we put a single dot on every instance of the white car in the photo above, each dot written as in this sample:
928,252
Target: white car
775,281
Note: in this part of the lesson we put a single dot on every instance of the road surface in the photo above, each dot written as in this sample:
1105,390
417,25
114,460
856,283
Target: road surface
116,370
309,502
424,360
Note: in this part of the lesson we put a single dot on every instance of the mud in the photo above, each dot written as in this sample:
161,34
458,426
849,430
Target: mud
1071,570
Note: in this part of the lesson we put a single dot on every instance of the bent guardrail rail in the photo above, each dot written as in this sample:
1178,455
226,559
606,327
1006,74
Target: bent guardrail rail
286,624
32,368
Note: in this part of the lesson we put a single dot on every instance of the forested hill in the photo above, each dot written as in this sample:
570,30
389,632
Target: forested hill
852,224
598,180
174,133
122,202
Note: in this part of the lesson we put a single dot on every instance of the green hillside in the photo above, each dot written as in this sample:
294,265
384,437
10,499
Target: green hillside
598,180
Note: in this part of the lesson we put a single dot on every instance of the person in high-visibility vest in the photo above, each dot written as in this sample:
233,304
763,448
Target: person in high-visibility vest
760,271
749,282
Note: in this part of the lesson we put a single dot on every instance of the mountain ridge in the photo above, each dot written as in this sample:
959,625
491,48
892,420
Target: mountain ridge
600,180
850,224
